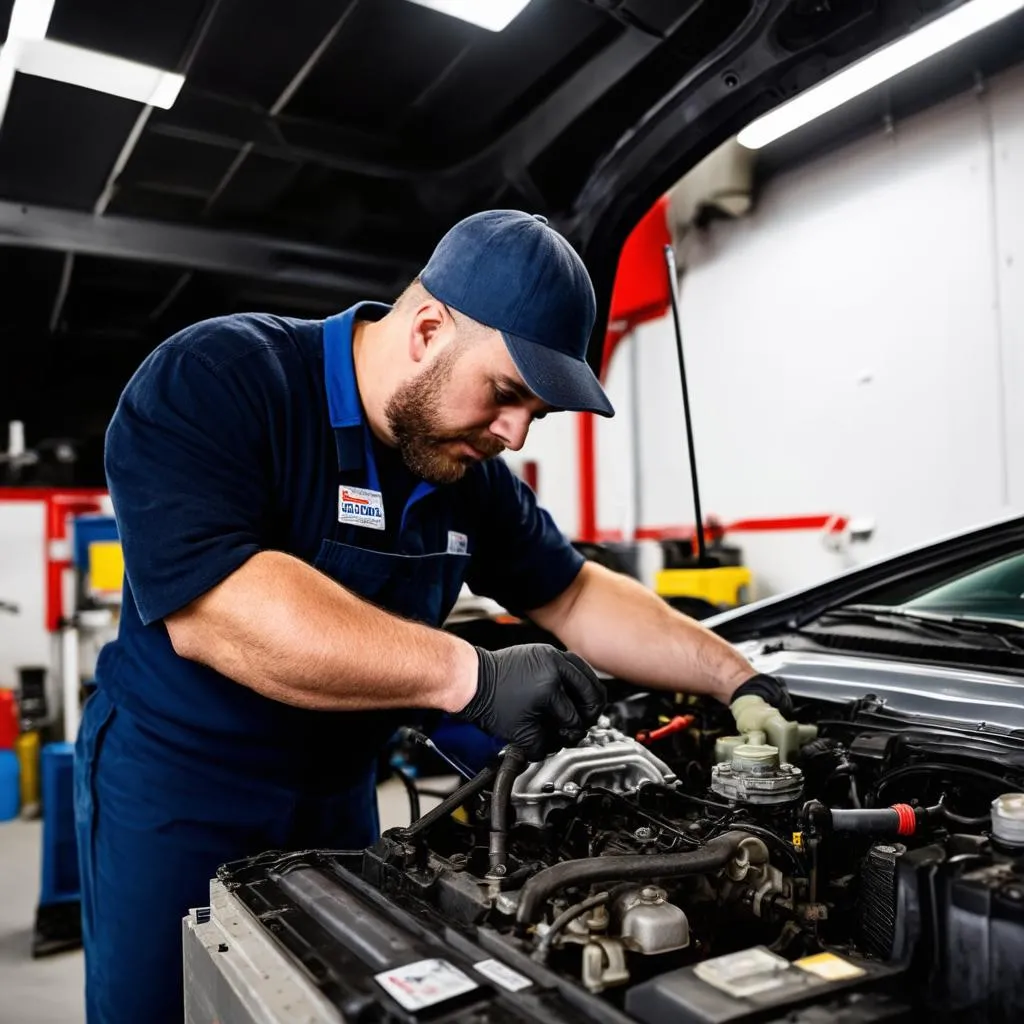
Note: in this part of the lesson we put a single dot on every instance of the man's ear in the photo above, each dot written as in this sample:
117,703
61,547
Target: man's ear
429,323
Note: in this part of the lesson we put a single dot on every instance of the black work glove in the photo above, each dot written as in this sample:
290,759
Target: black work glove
771,689
535,697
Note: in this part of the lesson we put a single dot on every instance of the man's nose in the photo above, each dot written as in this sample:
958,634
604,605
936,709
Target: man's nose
511,428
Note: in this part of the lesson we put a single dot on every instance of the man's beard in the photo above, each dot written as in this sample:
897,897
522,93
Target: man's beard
414,419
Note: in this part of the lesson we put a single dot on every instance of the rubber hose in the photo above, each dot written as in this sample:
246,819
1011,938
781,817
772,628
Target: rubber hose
940,810
959,819
512,763
590,870
449,805
412,793
935,768
544,947
897,820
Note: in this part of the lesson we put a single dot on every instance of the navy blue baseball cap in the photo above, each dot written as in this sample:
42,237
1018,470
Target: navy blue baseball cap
511,271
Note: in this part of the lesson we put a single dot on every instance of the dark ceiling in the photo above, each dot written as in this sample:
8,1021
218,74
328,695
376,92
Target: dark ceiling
319,148
340,137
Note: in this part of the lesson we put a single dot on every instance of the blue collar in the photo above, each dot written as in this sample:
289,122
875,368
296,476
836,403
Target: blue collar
343,403
351,434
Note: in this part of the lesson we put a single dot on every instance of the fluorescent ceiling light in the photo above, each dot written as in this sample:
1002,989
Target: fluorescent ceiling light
8,65
100,71
876,68
491,14
30,19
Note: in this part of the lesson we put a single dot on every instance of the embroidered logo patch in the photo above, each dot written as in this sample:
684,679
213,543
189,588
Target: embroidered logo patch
358,506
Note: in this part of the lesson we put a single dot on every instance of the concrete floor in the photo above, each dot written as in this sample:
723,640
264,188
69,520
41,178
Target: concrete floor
49,991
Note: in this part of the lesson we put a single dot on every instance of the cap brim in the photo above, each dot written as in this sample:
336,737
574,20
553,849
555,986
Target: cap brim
558,379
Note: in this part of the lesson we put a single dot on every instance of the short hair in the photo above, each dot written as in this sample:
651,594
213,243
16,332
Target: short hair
416,292
413,291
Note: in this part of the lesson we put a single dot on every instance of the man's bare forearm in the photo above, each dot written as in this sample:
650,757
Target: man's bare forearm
622,628
292,634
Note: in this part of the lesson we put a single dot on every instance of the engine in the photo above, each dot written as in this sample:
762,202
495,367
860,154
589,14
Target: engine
658,861
850,866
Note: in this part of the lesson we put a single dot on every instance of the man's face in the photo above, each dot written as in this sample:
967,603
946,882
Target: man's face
467,404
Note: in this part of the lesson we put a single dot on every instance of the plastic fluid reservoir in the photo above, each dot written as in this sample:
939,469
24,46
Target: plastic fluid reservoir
1008,819
751,756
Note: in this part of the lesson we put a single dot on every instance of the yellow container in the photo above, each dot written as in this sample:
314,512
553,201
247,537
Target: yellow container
27,749
725,587
106,566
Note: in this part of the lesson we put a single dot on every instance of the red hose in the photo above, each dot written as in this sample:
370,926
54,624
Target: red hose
907,824
677,724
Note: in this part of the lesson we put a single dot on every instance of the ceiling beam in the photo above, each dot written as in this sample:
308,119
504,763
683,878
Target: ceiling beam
202,249
204,117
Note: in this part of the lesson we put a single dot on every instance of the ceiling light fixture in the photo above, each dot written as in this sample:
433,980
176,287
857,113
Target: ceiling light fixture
29,51
490,14
30,19
102,72
8,65
876,68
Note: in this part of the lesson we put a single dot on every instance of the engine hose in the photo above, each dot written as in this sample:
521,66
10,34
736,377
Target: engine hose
899,820
958,819
512,763
544,946
449,805
946,770
641,867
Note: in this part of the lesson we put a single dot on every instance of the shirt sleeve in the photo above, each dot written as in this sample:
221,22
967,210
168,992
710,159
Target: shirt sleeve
187,466
522,560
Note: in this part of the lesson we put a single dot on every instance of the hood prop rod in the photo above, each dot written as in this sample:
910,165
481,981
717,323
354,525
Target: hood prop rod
673,283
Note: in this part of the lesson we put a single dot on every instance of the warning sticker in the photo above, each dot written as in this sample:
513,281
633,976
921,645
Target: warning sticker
829,967
496,971
747,973
425,983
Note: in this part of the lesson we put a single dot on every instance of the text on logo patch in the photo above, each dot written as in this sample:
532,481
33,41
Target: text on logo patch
359,506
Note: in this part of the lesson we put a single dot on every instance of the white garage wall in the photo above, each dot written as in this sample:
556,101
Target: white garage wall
24,641
856,346
1007,112
552,445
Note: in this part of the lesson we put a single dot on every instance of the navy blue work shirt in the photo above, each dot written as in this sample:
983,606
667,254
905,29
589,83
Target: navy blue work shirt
244,434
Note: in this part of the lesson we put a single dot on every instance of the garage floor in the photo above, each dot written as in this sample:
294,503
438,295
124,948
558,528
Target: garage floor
49,991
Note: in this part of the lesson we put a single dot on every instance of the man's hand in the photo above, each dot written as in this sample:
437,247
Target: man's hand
769,688
758,702
535,697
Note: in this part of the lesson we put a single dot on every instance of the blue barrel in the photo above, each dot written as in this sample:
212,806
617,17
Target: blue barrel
60,847
10,785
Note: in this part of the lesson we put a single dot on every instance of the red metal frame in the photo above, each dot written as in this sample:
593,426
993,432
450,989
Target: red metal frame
715,530
640,294
587,478
59,505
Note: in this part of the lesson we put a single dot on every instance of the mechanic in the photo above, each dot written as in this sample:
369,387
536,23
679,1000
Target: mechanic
299,504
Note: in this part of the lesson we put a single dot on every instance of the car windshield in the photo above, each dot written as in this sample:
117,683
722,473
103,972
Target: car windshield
992,591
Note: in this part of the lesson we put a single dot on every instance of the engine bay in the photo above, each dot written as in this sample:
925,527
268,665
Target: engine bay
853,865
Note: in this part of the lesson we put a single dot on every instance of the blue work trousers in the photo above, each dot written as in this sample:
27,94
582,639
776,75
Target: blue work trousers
152,832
